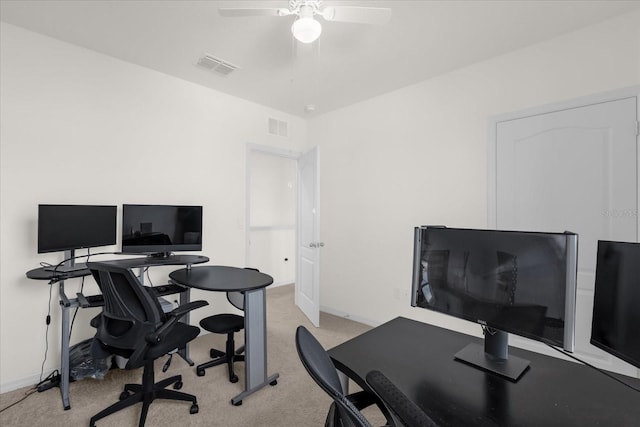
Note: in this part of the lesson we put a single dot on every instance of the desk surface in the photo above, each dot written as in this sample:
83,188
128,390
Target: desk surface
145,261
221,278
419,358
42,273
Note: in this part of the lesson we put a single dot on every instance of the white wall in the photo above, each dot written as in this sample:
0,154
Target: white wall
418,156
80,127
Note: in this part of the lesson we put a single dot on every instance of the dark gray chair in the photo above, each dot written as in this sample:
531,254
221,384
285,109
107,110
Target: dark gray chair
229,324
133,325
345,409
403,409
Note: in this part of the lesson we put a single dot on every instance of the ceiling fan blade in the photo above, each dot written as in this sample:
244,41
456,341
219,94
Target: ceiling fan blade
360,15
239,12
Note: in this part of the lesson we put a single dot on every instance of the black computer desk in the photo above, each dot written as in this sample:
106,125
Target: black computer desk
418,358
82,301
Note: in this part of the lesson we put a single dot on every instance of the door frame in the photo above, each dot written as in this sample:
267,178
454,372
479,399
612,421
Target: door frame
289,154
492,138
272,151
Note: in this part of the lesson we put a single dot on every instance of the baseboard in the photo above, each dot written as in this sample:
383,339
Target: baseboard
278,284
339,313
31,380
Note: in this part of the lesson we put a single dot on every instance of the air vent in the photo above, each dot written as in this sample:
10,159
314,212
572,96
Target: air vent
278,127
217,65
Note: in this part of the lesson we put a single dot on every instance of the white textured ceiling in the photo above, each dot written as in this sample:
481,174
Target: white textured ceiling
349,63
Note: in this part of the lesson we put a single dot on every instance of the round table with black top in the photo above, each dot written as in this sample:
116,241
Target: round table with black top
252,283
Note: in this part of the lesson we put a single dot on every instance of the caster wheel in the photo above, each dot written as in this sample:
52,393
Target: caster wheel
274,382
200,372
194,409
214,354
239,403
234,379
178,385
124,395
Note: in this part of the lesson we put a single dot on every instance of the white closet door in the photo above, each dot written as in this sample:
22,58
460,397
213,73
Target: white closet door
573,169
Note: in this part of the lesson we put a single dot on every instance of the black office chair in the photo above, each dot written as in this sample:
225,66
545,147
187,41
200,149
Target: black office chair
345,409
133,325
229,324
403,409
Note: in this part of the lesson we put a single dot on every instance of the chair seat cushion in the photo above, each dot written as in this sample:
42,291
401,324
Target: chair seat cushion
223,323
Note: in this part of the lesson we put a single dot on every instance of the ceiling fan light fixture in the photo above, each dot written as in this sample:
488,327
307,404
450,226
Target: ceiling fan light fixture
306,29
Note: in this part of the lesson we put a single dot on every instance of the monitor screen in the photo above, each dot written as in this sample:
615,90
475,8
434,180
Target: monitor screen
508,281
615,326
161,229
70,227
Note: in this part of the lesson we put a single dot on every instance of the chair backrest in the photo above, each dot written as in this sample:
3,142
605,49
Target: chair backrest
320,367
236,299
410,414
130,313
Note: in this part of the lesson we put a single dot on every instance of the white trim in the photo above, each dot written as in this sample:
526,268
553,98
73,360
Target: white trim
345,315
273,228
264,149
27,381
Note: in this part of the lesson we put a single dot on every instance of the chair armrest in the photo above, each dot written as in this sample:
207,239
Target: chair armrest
173,317
183,309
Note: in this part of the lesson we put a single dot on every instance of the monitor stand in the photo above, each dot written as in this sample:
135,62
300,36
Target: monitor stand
68,265
159,255
494,356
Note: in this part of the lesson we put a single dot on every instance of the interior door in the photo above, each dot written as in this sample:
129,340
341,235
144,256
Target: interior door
307,296
572,169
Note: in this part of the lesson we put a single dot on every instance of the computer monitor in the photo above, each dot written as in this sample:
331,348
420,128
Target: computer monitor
507,281
615,327
70,227
159,230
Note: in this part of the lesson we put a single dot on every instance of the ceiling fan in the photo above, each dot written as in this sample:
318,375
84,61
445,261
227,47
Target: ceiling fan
306,28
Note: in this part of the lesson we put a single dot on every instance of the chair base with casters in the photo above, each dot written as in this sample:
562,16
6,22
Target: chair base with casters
223,324
146,393
133,325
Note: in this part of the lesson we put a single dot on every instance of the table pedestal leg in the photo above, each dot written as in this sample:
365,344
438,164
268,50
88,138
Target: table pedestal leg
255,318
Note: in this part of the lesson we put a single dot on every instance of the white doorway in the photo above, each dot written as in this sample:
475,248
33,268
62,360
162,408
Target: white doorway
570,167
282,221
309,244
271,213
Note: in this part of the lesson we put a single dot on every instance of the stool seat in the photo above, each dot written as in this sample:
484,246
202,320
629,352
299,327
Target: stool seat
223,323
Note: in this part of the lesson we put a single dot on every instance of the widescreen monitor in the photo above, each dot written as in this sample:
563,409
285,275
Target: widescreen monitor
507,281
161,229
70,227
615,326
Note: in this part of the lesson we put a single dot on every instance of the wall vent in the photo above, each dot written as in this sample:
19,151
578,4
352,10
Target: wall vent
278,127
220,66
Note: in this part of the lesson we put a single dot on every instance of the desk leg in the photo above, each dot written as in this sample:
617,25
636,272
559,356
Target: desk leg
64,357
255,330
185,297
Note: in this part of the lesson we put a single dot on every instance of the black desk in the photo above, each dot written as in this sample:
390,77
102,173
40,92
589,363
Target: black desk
253,284
419,358
83,301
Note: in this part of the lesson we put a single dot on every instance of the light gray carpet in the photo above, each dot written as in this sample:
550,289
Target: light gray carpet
295,401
